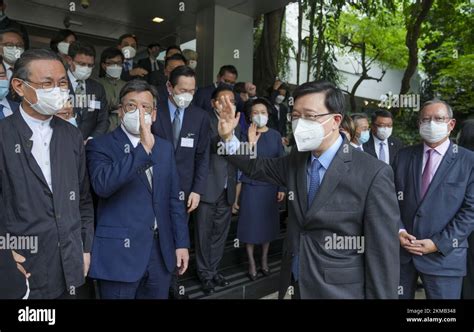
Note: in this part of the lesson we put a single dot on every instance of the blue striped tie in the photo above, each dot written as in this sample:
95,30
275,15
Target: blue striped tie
314,181
2,116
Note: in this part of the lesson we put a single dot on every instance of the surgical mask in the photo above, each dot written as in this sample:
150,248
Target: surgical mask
12,53
183,100
260,120
82,73
114,71
49,102
192,64
364,137
63,48
131,121
129,52
226,85
72,120
4,88
383,133
433,131
279,99
308,134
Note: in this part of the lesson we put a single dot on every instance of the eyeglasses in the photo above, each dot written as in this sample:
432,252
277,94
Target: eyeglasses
20,45
437,119
49,85
310,117
131,107
383,126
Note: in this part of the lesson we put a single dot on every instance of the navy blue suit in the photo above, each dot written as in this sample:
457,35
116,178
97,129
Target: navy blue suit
445,215
192,162
124,241
203,97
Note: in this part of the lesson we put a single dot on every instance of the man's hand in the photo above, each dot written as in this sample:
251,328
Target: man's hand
406,241
182,259
277,85
425,246
253,135
138,72
227,119
193,201
285,141
235,208
19,259
280,196
251,89
146,137
87,263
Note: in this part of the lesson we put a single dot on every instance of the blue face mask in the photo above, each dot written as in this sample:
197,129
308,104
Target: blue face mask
4,88
72,121
364,137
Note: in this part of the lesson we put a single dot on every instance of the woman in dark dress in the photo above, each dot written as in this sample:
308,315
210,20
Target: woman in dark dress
259,221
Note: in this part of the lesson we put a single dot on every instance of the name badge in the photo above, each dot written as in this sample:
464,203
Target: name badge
95,104
187,142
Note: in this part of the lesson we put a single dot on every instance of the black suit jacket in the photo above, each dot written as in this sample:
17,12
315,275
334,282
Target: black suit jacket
356,200
62,219
192,163
92,118
155,77
394,145
12,281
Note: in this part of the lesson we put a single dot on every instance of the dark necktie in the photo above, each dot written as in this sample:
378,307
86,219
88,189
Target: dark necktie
2,115
176,128
426,176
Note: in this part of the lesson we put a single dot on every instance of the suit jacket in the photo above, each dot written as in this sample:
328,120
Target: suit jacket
203,97
356,198
12,281
274,122
128,206
156,77
192,162
92,117
446,213
220,170
62,219
394,145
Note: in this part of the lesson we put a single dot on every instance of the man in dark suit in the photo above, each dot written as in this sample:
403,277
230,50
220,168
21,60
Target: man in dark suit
341,241
279,117
215,210
43,179
142,232
187,128
382,145
128,44
6,104
171,62
7,23
154,67
88,96
227,76
435,186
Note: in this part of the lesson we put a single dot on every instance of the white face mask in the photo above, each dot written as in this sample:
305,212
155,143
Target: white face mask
129,52
192,64
49,102
63,48
82,73
183,100
260,120
279,99
114,71
308,134
383,133
12,53
72,121
433,132
131,121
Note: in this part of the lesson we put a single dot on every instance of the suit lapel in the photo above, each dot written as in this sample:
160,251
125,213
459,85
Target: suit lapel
302,181
333,176
186,126
443,168
165,120
391,150
416,165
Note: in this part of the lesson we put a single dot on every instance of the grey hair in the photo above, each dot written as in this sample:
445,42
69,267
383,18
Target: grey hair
22,65
437,101
138,85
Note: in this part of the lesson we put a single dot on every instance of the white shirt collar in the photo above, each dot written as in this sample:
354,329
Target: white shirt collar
378,141
33,122
133,139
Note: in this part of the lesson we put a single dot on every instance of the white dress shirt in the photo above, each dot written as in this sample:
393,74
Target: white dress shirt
73,80
7,111
9,70
42,133
359,147
385,147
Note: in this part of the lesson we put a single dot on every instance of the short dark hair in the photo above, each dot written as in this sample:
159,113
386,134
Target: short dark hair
220,89
173,47
22,70
127,35
334,99
80,47
138,85
12,30
109,53
60,36
240,87
466,137
153,45
382,114
178,72
257,101
359,116
175,57
229,69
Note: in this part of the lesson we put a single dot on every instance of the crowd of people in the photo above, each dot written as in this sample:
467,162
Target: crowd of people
109,173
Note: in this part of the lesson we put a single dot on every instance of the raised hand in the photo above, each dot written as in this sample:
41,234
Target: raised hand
227,119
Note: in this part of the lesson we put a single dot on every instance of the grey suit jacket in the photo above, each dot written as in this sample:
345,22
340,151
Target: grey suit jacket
356,201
